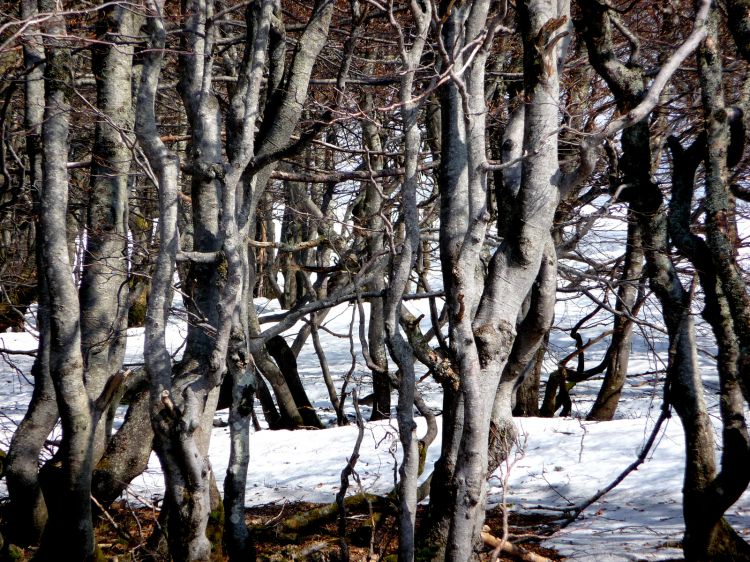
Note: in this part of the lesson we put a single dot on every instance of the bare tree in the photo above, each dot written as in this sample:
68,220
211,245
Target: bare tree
483,312
707,535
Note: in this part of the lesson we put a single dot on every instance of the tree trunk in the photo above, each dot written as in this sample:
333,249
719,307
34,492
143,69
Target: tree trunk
374,243
707,535
67,488
237,536
531,331
482,317
618,354
398,280
282,354
28,511
173,414
127,452
104,283
527,395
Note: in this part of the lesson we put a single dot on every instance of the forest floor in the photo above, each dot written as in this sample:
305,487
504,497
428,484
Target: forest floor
123,534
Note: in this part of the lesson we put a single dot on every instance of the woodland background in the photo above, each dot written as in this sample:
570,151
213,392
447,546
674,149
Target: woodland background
448,166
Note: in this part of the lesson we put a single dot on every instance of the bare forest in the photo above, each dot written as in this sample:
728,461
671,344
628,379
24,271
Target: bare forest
439,166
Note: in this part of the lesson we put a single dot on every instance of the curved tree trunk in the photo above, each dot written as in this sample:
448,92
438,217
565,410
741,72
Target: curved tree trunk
707,535
127,452
28,512
398,280
483,315
186,471
527,395
531,332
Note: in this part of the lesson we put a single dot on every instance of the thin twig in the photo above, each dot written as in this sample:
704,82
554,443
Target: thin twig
345,474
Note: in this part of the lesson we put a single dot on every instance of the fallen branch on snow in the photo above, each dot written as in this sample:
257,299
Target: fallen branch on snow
507,547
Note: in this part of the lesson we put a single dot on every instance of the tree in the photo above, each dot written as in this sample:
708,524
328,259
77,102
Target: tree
707,535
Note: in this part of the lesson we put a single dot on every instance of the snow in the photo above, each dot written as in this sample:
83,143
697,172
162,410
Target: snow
563,461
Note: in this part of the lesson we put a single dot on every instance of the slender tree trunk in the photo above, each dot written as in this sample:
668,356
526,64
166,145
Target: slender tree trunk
374,243
28,510
69,530
402,266
174,414
237,536
608,398
28,514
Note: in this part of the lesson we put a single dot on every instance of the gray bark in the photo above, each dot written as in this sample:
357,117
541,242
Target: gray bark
127,452
104,283
706,528
513,269
282,113
237,536
28,513
618,354
173,413
401,268
69,530
707,535
205,163
531,331
371,209
330,386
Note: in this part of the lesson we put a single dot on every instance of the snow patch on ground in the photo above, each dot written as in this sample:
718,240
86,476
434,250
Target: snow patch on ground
563,462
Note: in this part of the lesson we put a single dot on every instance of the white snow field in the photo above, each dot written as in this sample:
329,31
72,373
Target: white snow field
564,460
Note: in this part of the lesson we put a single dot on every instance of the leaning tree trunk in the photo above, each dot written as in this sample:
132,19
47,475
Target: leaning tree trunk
706,524
707,535
128,451
523,356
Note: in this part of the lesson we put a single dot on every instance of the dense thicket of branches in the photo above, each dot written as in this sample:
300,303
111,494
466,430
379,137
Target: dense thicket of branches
362,151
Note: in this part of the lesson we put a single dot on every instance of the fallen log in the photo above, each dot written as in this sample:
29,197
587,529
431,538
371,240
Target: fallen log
326,512
301,521
507,547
